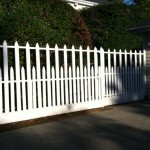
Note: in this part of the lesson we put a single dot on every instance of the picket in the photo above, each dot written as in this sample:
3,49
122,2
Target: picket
66,75
17,72
38,73
48,75
6,88
62,86
44,87
74,74
93,76
92,83
85,84
34,88
81,73
70,85
28,76
88,68
12,90
54,102
57,74
23,88
102,63
78,85
99,84
1,95
106,82
115,59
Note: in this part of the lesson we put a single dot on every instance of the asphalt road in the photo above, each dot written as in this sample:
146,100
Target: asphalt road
122,127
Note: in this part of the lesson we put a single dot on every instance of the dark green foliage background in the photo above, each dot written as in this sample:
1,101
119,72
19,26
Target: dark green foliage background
109,23
42,21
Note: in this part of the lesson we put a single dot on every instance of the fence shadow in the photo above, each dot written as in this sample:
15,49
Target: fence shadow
96,131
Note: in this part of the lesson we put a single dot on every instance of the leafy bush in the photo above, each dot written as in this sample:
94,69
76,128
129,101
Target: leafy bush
108,25
42,21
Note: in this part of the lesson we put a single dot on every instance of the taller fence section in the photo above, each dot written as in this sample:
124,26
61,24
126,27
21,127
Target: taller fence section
38,82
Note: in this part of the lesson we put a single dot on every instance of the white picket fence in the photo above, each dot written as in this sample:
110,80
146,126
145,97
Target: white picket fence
91,79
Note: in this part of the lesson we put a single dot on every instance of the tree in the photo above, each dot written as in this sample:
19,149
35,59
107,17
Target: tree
42,21
141,2
115,1
108,25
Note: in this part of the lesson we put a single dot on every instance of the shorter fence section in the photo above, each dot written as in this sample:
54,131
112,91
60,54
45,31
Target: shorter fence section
40,82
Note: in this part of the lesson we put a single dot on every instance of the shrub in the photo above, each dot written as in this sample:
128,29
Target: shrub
108,25
42,21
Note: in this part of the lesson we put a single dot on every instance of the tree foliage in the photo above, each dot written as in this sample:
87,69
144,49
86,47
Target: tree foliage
42,21
108,24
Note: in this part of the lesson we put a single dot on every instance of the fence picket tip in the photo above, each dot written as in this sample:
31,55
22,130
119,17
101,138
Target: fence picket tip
47,45
56,46
73,47
5,43
43,67
88,47
65,46
11,68
61,67
27,44
33,68
16,43
95,48
22,67
80,47
101,49
37,45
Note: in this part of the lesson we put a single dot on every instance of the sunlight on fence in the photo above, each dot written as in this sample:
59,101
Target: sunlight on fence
48,81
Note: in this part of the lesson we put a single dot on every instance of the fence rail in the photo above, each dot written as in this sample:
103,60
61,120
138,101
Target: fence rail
59,80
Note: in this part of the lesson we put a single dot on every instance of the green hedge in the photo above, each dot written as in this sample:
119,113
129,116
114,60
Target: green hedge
109,23
42,21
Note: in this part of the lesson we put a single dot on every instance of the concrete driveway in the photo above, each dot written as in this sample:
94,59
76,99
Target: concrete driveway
122,127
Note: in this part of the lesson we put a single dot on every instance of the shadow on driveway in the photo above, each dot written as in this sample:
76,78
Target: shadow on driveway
124,127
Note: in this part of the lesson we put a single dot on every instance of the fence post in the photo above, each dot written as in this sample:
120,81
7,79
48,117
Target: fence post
89,73
81,74
66,75
48,75
146,85
1,97
74,74
115,74
29,84
96,72
126,73
57,74
17,71
109,73
102,60
5,67
38,69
